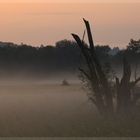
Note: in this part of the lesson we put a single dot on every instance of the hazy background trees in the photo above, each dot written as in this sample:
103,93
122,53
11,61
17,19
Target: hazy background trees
64,56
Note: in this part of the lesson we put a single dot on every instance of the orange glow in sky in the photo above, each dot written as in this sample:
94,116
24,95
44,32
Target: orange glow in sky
70,1
112,23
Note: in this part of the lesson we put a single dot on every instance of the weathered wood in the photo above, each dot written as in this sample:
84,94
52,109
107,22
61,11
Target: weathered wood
102,95
99,72
96,76
124,90
126,99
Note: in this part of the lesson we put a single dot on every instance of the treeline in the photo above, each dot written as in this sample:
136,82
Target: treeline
65,56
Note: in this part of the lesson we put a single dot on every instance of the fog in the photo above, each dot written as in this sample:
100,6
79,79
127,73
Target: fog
44,108
35,105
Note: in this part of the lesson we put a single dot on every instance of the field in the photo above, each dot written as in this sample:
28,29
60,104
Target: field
43,109
48,109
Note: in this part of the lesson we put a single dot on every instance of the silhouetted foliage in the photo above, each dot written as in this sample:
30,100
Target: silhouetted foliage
134,46
124,103
64,56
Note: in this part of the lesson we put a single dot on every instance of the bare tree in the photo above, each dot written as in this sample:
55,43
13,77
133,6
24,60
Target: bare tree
102,95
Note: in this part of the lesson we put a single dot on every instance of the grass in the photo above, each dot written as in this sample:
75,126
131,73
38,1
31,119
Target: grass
52,110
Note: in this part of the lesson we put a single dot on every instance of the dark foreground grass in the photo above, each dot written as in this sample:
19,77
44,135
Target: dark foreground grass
40,110
112,128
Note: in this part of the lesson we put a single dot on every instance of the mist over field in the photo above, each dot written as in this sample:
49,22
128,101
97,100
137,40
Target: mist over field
43,108
43,93
75,80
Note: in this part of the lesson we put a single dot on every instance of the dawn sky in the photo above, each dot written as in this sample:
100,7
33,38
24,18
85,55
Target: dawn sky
70,1
45,23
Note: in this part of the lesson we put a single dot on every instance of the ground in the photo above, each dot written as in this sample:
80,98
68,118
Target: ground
48,109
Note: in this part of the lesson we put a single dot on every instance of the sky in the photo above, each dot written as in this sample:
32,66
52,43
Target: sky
45,22
69,1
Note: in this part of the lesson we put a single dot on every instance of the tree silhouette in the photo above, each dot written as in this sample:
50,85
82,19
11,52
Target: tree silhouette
102,94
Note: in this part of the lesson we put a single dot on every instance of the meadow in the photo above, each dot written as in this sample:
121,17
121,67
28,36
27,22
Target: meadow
42,108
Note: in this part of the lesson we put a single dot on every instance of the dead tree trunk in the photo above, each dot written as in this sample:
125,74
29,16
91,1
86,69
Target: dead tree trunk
126,99
102,94
103,98
124,90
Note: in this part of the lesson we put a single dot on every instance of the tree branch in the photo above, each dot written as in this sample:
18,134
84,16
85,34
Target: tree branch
137,80
85,73
89,35
83,36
